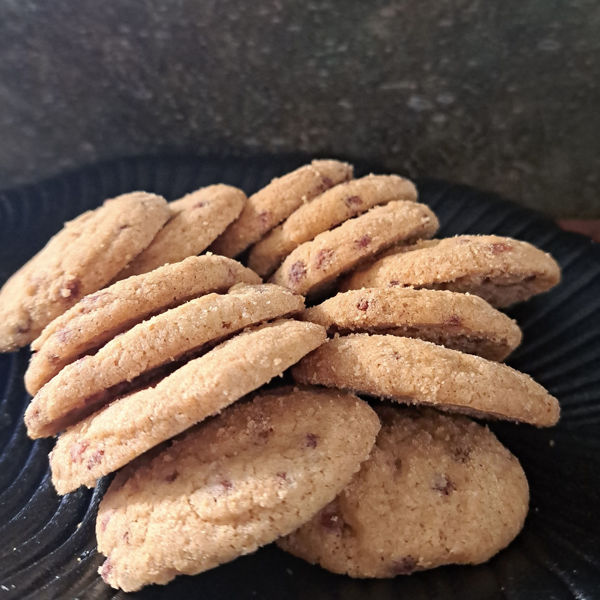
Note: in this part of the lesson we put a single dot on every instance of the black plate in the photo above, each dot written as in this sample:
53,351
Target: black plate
48,546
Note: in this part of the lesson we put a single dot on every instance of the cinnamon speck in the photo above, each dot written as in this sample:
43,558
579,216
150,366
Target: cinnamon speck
171,477
404,566
363,241
311,440
297,271
441,483
70,288
461,454
95,459
264,218
63,335
353,201
106,570
331,520
453,321
500,247
362,304
77,450
324,257
105,519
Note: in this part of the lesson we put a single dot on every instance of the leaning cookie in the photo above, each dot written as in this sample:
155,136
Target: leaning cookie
229,486
436,490
90,382
198,219
314,264
328,210
276,201
133,424
459,321
97,318
81,258
412,371
501,270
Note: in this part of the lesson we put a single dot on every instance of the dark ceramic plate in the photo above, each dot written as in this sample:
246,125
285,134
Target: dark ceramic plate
47,547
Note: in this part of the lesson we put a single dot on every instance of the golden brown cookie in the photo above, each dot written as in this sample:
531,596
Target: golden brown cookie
129,426
275,202
198,219
499,269
80,259
436,490
99,317
460,321
231,485
328,210
316,263
416,372
90,381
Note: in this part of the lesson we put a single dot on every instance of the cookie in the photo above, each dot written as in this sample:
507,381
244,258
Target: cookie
314,264
275,202
129,426
328,210
499,269
229,486
97,318
81,258
460,321
198,219
416,372
90,381
436,490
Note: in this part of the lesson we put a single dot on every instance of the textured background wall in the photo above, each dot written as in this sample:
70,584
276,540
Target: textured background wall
500,95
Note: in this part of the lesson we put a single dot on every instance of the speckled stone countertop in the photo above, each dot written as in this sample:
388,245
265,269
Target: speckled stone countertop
504,96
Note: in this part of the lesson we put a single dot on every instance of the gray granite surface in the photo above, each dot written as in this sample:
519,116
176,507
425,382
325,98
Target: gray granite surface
501,95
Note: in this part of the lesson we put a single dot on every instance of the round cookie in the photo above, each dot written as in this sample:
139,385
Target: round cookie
229,486
499,269
81,258
131,425
90,381
276,201
459,321
198,219
328,210
416,372
314,264
97,318
436,490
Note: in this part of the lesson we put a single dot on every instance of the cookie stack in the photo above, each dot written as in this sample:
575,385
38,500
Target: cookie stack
156,378
153,363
